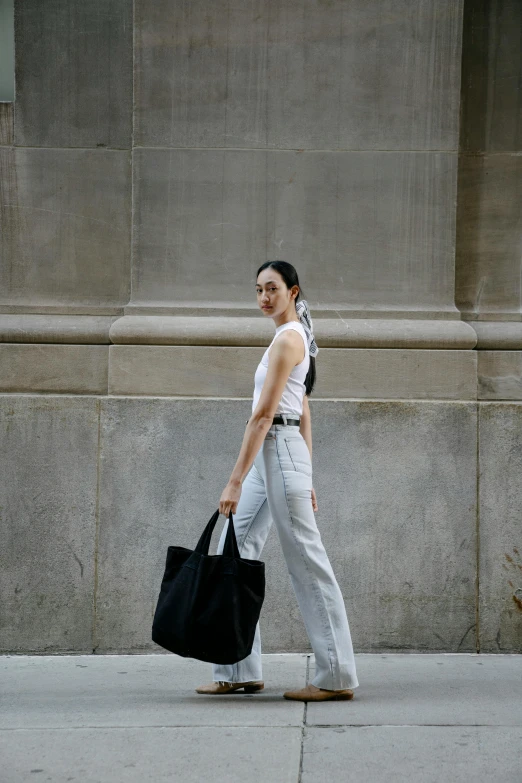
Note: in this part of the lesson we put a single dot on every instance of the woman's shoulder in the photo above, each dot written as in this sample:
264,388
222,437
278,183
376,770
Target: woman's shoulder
288,335
288,339
290,327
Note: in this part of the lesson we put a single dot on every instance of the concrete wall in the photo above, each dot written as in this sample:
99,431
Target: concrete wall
155,155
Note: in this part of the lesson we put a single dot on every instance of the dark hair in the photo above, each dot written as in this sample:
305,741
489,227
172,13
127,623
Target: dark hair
289,275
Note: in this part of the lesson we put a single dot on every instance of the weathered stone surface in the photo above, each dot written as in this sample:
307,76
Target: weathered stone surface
500,578
499,375
400,75
48,465
73,73
382,223
396,488
181,55
199,225
163,491
396,482
489,229
65,369
6,123
395,231
224,371
192,370
200,370
286,75
65,226
404,468
498,335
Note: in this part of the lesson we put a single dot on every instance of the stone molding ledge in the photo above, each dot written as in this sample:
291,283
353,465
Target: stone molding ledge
255,331
498,335
329,332
68,329
230,330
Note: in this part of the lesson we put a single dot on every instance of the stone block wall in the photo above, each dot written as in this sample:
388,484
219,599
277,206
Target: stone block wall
154,156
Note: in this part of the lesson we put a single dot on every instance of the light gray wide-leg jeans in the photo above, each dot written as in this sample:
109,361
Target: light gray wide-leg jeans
278,487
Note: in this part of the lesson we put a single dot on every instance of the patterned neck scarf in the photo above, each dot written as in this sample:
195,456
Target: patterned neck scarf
303,313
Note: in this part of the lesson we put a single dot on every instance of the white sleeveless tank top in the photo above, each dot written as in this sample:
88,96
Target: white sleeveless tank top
291,402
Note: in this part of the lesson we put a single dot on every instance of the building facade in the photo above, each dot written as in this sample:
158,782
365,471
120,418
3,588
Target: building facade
155,154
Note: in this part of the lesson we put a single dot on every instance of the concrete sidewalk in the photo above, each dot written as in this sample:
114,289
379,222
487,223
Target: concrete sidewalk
136,718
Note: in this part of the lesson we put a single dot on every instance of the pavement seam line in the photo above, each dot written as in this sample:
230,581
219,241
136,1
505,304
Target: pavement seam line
303,725
102,727
132,727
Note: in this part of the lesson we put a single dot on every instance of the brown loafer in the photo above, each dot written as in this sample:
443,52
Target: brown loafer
313,693
229,687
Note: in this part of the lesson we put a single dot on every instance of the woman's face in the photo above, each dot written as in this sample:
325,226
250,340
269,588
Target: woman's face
273,297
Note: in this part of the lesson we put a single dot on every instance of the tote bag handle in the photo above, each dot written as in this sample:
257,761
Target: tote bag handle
230,548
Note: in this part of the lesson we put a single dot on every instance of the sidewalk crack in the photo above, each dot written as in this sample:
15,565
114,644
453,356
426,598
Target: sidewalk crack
303,725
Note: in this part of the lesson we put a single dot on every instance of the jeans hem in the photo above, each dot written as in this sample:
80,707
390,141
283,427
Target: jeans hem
237,679
334,685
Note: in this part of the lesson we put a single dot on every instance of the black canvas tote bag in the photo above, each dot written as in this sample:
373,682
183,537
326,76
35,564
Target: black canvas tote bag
209,605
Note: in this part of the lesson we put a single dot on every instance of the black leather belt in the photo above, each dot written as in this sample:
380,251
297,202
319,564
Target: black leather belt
280,420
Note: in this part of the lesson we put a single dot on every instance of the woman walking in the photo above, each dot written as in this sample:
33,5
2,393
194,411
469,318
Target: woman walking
272,481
